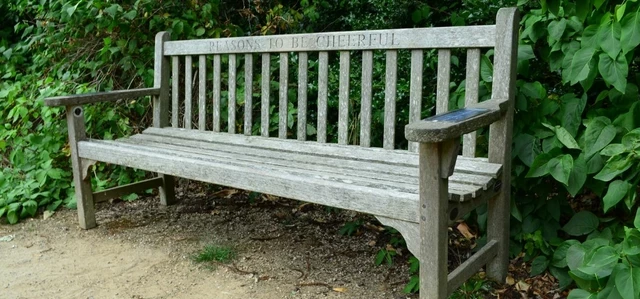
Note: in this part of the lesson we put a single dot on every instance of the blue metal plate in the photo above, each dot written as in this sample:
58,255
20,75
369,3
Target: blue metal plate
457,115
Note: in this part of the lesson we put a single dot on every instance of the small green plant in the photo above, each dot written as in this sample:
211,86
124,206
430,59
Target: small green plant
474,288
386,255
214,253
350,228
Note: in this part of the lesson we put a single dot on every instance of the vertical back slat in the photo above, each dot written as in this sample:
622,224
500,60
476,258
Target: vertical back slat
202,93
415,95
390,100
444,79
264,109
365,108
343,97
231,104
323,73
302,95
188,95
283,103
471,97
216,93
248,93
175,83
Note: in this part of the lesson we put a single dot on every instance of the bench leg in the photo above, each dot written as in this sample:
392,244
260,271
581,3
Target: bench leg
434,197
81,180
498,230
167,190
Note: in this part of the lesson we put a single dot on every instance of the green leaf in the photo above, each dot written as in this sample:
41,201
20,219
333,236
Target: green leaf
583,8
627,281
602,262
617,191
538,265
30,206
200,31
580,65
572,109
113,10
130,15
565,137
2,211
578,176
620,9
631,140
636,221
533,90
613,149
630,37
581,294
557,28
553,6
615,166
609,39
560,254
564,280
599,134
539,166
560,168
614,72
12,217
486,69
590,37
525,148
582,223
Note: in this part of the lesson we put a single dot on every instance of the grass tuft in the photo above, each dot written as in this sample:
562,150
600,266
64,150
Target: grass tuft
214,253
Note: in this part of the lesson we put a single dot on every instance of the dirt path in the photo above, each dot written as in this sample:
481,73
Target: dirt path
143,250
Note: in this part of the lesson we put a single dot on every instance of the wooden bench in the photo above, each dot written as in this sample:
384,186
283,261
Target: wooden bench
417,191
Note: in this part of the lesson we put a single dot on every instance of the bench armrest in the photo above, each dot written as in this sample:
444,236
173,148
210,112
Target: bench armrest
95,97
456,123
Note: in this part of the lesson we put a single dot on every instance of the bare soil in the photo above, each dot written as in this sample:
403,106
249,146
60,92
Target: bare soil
141,249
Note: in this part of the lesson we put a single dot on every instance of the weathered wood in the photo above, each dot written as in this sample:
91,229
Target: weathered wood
415,93
471,266
84,195
416,38
175,89
248,93
366,92
161,81
167,190
504,86
302,95
323,73
115,192
96,97
444,80
283,93
472,84
231,103
390,100
343,98
400,157
217,106
188,92
433,222
410,232
202,92
264,110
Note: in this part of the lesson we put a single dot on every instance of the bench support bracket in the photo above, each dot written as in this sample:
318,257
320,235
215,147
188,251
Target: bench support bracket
82,182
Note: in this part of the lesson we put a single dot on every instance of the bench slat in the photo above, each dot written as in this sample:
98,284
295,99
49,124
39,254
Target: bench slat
415,94
302,95
264,106
217,79
366,91
188,92
283,90
231,103
472,84
175,83
343,98
444,80
394,157
415,38
202,92
323,73
248,93
276,181
368,170
390,100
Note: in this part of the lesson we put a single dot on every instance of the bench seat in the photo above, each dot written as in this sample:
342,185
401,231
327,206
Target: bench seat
369,180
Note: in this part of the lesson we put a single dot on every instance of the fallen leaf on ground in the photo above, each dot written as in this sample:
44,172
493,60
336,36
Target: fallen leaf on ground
339,290
463,228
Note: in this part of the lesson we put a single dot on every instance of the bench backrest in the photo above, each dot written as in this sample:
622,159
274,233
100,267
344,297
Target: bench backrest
191,75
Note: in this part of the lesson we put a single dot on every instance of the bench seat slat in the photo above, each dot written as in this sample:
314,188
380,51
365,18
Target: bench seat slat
397,157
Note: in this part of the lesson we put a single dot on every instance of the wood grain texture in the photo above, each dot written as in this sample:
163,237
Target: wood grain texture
217,105
202,93
248,93
472,84
283,104
188,92
303,79
96,97
416,38
343,98
115,192
323,73
444,80
231,104
175,91
264,105
84,195
161,70
365,102
471,266
391,75
415,93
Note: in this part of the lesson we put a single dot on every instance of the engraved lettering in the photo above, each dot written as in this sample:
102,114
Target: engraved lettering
295,43
372,38
394,42
361,38
341,40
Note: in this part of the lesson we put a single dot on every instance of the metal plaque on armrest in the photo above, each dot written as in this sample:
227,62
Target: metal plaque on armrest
457,115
